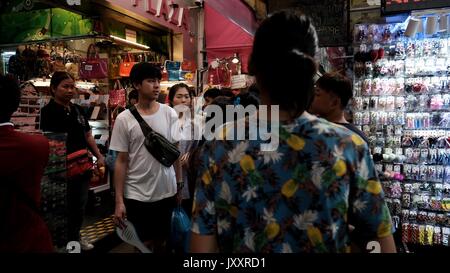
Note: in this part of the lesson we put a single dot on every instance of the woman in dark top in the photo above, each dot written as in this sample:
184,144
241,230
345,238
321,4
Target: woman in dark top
62,116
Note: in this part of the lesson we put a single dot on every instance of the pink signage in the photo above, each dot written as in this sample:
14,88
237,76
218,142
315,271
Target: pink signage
161,12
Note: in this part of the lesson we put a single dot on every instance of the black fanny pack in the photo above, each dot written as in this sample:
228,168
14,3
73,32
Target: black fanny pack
158,146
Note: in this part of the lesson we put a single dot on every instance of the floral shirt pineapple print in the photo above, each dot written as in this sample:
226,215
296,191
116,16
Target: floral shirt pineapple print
299,198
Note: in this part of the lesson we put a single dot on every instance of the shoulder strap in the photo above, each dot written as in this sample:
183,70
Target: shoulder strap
144,125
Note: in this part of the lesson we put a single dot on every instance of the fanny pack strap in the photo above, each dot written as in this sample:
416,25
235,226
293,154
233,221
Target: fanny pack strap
146,129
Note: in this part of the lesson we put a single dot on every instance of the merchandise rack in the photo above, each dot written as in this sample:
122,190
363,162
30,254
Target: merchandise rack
402,103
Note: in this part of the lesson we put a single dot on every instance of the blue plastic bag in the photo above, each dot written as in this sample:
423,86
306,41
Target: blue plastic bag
110,159
180,231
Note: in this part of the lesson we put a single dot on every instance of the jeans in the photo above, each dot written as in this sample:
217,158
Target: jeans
77,197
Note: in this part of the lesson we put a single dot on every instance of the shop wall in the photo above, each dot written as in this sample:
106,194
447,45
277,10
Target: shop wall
17,27
157,43
141,9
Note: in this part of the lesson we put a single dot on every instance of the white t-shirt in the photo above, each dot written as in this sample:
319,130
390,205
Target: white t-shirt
146,180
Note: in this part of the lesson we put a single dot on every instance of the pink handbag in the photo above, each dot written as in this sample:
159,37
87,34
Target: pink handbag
93,67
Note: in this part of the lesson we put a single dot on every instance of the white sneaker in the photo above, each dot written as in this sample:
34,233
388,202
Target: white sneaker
85,245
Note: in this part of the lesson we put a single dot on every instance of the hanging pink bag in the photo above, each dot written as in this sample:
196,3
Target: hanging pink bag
93,67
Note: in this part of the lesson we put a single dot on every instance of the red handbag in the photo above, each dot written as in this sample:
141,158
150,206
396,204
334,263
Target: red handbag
78,163
93,67
117,96
188,66
126,66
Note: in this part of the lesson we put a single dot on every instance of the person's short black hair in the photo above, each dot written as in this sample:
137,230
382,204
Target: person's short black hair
337,84
142,71
247,98
222,102
211,93
10,92
253,89
226,92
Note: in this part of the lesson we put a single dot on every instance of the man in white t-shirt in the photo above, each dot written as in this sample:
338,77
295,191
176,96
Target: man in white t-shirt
145,189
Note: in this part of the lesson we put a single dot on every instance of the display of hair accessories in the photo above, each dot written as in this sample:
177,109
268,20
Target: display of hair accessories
402,104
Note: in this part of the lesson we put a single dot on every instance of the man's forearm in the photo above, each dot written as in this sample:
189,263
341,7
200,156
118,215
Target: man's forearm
120,169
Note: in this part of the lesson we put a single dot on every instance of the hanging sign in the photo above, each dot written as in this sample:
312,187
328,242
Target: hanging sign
130,35
398,6
172,14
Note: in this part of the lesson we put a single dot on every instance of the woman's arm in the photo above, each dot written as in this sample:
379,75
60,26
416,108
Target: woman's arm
94,149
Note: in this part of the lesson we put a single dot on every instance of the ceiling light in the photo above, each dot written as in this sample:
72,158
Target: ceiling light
130,43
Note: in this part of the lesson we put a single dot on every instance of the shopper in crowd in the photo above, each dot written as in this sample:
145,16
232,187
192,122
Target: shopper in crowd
133,98
60,115
145,189
247,98
302,196
253,90
22,161
332,93
179,95
210,95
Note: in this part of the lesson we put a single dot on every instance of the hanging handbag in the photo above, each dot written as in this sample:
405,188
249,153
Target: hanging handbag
173,70
117,96
93,67
78,163
187,66
126,66
114,68
171,65
219,74
158,146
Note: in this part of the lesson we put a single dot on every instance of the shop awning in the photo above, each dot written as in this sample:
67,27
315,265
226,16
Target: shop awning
229,31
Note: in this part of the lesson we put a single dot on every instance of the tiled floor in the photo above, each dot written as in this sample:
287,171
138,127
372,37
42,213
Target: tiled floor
98,230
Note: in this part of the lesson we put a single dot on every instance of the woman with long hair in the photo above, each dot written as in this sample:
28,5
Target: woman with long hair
181,99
